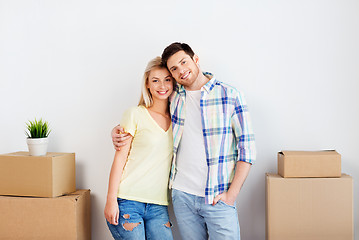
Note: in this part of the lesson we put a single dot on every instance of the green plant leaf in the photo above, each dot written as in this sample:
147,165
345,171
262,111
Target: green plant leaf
37,129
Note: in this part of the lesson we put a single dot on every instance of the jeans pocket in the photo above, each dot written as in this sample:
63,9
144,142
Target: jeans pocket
226,204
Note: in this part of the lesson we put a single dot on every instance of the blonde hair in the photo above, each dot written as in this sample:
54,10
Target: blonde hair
146,97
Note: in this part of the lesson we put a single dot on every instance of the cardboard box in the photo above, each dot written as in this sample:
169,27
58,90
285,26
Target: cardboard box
66,217
309,164
309,208
41,176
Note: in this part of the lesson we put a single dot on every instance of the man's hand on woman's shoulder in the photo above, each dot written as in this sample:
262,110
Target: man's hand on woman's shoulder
119,137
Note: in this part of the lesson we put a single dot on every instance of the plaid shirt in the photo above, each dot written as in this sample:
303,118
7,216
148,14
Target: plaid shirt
227,132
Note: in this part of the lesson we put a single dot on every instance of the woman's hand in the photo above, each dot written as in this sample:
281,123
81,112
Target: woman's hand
119,137
112,212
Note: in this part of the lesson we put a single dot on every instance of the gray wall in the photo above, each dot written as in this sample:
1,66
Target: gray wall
78,64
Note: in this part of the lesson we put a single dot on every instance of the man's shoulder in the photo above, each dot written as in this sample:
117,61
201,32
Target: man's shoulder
173,96
226,88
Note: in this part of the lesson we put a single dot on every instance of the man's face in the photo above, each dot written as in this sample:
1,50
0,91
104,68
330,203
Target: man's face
183,68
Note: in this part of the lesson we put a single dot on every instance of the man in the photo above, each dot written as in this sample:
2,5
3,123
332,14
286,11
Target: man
213,148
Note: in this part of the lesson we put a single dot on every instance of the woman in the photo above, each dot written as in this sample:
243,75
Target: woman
137,198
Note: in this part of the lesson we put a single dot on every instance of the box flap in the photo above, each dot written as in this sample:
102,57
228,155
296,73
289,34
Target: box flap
74,196
78,192
26,154
300,153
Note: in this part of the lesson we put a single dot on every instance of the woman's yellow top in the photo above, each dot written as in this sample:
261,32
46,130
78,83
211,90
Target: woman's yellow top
146,173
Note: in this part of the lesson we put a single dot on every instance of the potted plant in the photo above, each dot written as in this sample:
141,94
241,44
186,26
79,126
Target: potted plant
37,133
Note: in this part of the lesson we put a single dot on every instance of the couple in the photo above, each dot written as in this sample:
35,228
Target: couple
205,124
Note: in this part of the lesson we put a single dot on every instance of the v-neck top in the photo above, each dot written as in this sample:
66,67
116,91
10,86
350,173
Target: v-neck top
145,176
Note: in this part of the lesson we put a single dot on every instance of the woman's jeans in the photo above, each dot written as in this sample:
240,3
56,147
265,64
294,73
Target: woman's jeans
198,221
140,221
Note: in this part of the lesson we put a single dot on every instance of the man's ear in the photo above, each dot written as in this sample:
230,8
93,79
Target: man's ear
195,59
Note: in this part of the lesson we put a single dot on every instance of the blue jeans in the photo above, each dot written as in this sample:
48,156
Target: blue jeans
197,220
149,221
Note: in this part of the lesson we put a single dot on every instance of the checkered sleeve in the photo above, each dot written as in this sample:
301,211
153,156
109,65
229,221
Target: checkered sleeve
242,128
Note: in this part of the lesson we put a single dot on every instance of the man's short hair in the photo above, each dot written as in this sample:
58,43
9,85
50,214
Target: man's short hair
174,48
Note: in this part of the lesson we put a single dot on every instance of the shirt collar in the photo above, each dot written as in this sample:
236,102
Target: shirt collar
211,83
207,87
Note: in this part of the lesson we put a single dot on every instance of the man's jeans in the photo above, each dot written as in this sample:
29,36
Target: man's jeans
152,221
197,220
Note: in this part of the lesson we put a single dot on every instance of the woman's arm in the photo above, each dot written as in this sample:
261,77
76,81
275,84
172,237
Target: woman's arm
119,161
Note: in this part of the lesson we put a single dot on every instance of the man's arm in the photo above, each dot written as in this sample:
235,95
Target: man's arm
119,137
244,135
229,197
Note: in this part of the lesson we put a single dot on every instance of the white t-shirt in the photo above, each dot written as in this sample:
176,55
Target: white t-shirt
192,169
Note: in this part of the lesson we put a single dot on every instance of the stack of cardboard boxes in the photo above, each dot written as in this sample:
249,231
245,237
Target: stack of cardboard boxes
39,198
309,198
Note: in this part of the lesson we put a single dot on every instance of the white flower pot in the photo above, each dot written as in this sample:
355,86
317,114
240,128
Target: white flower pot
37,146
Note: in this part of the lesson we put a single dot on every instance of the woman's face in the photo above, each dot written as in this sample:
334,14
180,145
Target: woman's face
160,83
